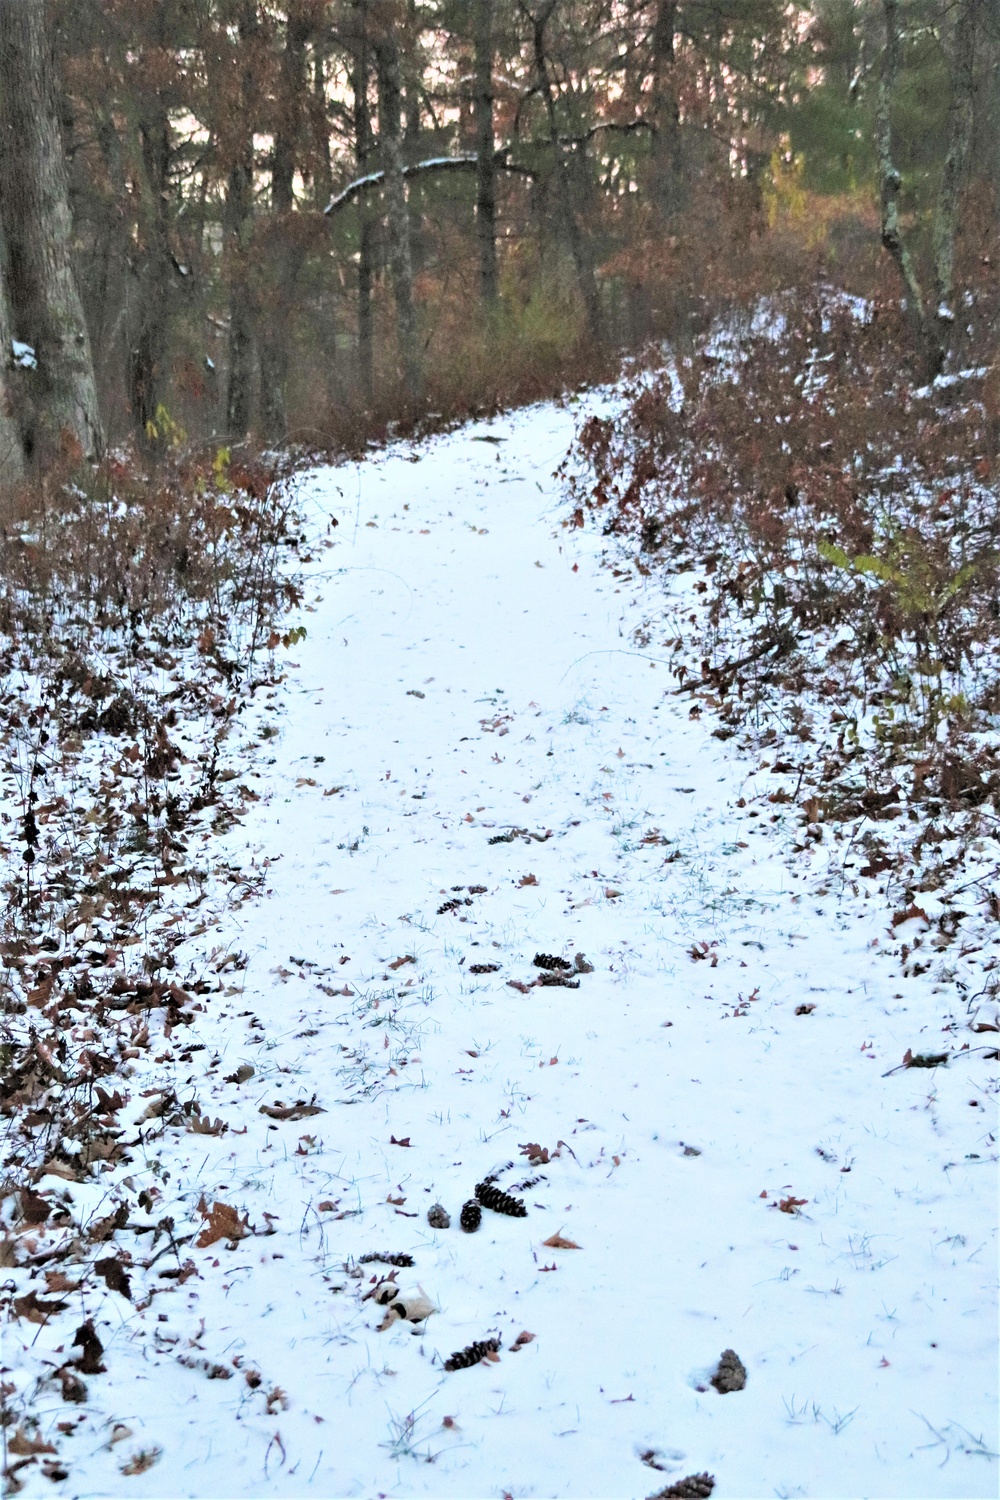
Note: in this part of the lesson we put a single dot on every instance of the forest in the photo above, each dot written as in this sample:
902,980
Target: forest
293,224
499,761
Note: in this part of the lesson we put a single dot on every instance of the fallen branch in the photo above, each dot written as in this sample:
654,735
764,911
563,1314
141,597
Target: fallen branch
433,164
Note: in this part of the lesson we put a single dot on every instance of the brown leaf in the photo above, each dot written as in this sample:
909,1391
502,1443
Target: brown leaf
24,1446
58,1281
91,1349
515,984
146,1457
115,1275
404,1142
398,963
907,915
291,1111
791,1205
204,1125
558,1242
222,1223
32,1307
536,1154
521,1340
34,1208
528,880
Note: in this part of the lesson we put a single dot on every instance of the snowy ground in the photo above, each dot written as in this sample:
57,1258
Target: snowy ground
734,1173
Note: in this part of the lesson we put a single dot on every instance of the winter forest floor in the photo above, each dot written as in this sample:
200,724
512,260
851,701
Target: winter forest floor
469,766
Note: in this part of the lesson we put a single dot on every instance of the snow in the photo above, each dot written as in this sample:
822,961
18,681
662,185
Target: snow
467,673
23,355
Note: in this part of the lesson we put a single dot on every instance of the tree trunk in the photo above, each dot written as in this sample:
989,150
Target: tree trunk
34,206
285,259
486,172
889,186
239,215
11,452
666,112
959,136
397,213
580,249
148,319
366,225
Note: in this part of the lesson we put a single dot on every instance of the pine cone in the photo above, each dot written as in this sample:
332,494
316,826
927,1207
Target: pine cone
484,968
559,978
694,1487
550,961
462,1359
438,1217
730,1374
500,1202
471,1217
386,1259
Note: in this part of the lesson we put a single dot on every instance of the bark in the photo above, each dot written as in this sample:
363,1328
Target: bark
667,173
149,314
239,215
486,171
889,186
11,453
34,205
366,226
959,136
397,212
285,260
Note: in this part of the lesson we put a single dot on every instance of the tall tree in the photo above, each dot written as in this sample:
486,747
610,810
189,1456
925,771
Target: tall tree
486,171
968,18
34,208
11,454
285,250
363,148
239,152
396,209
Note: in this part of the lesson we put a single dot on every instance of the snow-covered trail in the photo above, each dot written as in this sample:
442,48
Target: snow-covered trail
467,672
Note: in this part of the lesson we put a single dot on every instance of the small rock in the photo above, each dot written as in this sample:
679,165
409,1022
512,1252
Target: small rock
730,1374
438,1217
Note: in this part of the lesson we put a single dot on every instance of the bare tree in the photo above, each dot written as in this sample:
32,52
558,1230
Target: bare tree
11,455
239,214
34,206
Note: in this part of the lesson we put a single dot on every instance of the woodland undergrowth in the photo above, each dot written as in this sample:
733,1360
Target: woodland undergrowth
831,526
139,615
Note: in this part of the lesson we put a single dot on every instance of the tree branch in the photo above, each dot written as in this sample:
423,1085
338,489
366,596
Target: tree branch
434,164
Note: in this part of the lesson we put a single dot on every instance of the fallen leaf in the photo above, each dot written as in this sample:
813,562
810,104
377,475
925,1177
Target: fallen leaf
205,1125
243,1074
32,1307
404,1142
559,1242
398,963
291,1111
222,1223
537,1155
521,1340
91,1349
528,880
24,1446
115,1275
790,1205
141,1461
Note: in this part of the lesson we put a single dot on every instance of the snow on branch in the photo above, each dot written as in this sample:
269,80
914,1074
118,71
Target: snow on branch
419,169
